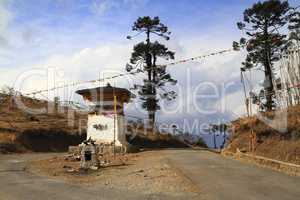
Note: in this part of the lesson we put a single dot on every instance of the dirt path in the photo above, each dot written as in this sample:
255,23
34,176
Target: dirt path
150,177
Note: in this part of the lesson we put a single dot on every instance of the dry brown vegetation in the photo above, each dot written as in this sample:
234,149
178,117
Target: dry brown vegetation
53,132
48,131
284,146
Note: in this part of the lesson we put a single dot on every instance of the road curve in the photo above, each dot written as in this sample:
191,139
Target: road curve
217,177
228,179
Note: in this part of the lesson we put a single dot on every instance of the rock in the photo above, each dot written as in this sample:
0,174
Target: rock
77,158
94,168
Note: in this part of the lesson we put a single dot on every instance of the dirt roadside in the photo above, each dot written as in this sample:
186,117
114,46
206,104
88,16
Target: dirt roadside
147,172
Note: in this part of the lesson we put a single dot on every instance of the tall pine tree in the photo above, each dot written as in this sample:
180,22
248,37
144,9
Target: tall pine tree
157,76
264,41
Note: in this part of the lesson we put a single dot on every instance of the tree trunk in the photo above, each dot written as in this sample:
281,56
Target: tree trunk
151,116
154,77
150,108
269,89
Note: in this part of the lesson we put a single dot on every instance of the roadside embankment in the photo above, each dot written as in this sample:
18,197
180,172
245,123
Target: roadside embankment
267,141
267,146
46,131
288,168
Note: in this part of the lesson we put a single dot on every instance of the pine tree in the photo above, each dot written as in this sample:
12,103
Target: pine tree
265,40
157,76
294,26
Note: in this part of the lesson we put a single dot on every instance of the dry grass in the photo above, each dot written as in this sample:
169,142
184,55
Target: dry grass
6,137
15,122
284,146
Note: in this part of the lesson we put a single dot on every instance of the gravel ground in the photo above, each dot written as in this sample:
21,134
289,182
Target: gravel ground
146,172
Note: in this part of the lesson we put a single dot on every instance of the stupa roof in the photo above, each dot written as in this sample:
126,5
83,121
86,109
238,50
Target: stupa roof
105,93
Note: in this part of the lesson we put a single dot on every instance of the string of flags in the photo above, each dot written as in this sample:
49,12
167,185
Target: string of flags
137,71
200,57
85,82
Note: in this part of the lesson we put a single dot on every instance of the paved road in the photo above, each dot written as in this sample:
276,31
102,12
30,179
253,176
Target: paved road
217,177
227,179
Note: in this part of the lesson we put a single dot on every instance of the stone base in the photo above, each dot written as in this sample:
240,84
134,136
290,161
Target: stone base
101,149
75,150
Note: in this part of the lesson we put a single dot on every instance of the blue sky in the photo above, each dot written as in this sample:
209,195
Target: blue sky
75,24
184,17
83,38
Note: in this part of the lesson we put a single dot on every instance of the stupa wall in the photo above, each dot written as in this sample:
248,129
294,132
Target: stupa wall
101,129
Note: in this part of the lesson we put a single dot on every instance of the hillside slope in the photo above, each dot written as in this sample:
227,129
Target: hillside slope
52,132
21,131
284,146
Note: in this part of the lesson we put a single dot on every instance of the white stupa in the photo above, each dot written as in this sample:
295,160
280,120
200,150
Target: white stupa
106,116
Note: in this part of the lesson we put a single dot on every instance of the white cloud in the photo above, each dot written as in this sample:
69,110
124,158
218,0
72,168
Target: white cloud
5,18
85,64
89,62
100,7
